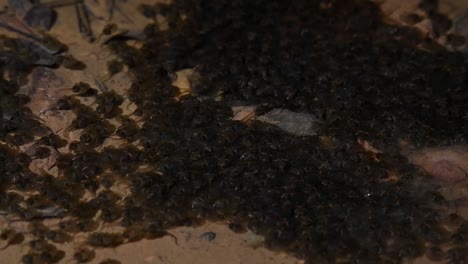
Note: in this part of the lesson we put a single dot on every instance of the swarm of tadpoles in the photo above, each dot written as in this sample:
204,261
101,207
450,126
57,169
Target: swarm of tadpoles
342,195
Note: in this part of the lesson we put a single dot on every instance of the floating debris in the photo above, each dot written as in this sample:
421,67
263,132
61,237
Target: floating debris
449,163
300,124
244,113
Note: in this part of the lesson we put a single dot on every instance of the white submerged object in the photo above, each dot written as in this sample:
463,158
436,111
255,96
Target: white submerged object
299,124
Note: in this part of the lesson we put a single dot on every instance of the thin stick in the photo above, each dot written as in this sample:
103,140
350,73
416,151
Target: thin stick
84,25
61,3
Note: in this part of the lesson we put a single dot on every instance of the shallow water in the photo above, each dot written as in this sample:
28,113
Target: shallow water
322,198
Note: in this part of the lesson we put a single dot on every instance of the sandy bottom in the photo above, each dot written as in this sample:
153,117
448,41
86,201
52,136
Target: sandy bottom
191,246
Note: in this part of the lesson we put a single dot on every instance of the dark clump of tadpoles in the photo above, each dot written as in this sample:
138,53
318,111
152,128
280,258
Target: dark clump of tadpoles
321,198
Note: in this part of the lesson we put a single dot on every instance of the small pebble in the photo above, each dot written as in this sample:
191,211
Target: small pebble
209,236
